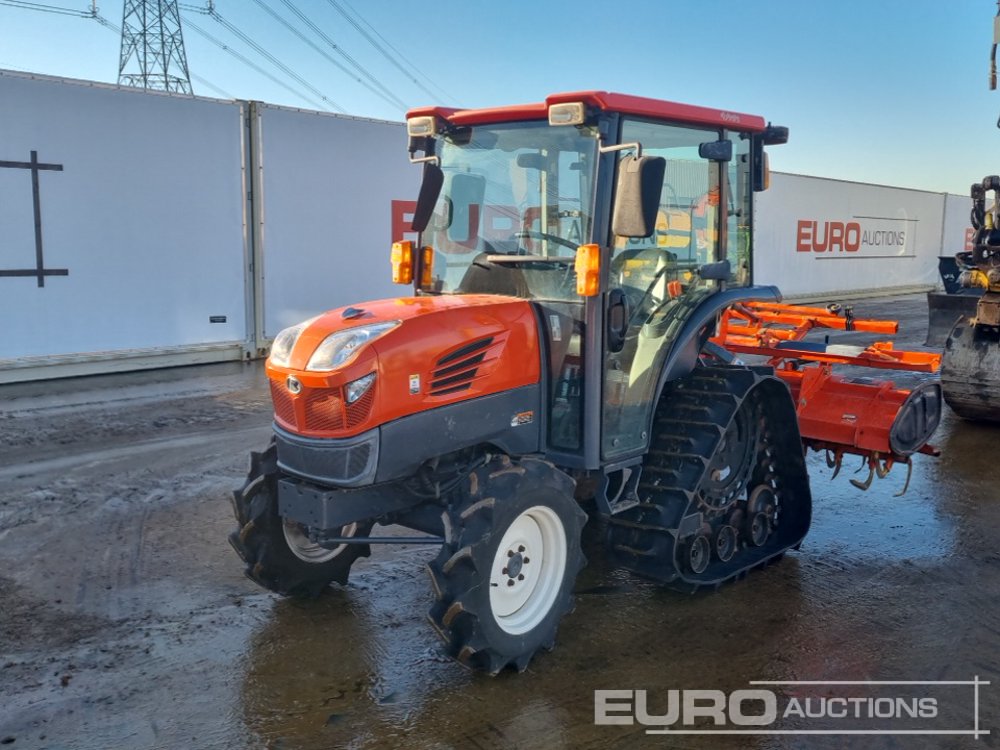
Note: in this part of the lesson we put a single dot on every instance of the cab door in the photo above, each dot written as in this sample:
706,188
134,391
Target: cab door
658,276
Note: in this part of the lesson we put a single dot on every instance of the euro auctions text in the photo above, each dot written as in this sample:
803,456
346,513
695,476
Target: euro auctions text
801,707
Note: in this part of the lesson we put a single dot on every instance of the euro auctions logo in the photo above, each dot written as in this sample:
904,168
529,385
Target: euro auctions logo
802,707
871,236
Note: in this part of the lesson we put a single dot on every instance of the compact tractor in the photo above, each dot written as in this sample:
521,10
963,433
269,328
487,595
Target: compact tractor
582,289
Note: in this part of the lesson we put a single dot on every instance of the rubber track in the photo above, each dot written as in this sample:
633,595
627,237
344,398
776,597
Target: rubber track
691,418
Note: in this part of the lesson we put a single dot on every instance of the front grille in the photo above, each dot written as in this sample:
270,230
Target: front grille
319,410
342,462
356,459
284,409
324,411
358,411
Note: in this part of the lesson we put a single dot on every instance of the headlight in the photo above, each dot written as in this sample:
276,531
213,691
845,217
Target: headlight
358,388
338,348
283,344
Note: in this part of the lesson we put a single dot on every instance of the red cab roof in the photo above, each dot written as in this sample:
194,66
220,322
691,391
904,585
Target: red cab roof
656,109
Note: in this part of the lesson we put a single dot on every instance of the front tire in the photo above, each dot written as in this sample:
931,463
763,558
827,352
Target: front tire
278,552
504,576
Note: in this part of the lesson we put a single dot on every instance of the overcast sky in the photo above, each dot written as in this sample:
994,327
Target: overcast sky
890,92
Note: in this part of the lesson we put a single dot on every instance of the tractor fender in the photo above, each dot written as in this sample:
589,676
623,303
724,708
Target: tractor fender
699,327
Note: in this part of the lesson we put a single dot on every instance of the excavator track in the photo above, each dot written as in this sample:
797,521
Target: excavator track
724,486
970,371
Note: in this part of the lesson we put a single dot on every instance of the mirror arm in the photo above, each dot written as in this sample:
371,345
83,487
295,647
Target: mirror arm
435,160
623,147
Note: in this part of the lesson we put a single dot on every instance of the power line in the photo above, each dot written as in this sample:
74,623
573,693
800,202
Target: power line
24,5
402,57
106,23
394,59
113,27
386,93
221,92
249,63
373,84
11,66
264,6
272,59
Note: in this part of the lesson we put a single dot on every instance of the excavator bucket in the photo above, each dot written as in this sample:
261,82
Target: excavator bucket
970,365
944,311
970,371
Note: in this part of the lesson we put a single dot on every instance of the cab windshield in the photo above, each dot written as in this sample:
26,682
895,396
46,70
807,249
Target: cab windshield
516,203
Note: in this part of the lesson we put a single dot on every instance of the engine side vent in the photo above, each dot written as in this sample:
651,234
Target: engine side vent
456,370
465,351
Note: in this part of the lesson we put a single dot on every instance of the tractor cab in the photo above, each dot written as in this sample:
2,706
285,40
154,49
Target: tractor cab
618,216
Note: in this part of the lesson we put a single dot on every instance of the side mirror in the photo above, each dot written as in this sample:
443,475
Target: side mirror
761,167
637,196
718,271
775,135
716,150
430,189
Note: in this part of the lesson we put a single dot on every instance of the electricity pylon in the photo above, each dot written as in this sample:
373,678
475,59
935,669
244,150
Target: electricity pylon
152,55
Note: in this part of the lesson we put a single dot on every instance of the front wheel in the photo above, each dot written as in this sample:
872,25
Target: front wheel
504,577
278,552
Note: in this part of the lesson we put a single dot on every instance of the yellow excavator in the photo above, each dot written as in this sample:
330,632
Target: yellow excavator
970,365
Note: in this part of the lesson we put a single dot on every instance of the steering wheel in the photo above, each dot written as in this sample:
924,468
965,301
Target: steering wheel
657,308
646,295
546,236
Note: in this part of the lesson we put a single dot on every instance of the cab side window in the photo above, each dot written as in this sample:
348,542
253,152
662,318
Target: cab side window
740,210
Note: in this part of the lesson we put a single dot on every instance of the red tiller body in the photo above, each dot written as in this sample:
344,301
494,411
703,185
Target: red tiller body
839,414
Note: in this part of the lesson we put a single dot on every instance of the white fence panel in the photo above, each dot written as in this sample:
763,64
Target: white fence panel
125,229
329,183
957,227
815,235
122,222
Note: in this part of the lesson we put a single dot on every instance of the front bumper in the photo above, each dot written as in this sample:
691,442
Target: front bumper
334,462
327,509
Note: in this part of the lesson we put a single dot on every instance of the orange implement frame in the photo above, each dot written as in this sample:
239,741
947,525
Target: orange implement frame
840,415
752,328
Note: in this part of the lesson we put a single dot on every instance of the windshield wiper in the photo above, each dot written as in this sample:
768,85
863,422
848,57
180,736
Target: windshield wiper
529,258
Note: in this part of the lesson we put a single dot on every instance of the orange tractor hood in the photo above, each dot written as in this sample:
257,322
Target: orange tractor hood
432,312
445,349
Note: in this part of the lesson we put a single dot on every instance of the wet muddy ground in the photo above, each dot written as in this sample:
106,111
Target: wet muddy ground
125,620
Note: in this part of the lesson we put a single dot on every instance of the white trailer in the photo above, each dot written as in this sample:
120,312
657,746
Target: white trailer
122,241
141,229
326,185
815,236
134,235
